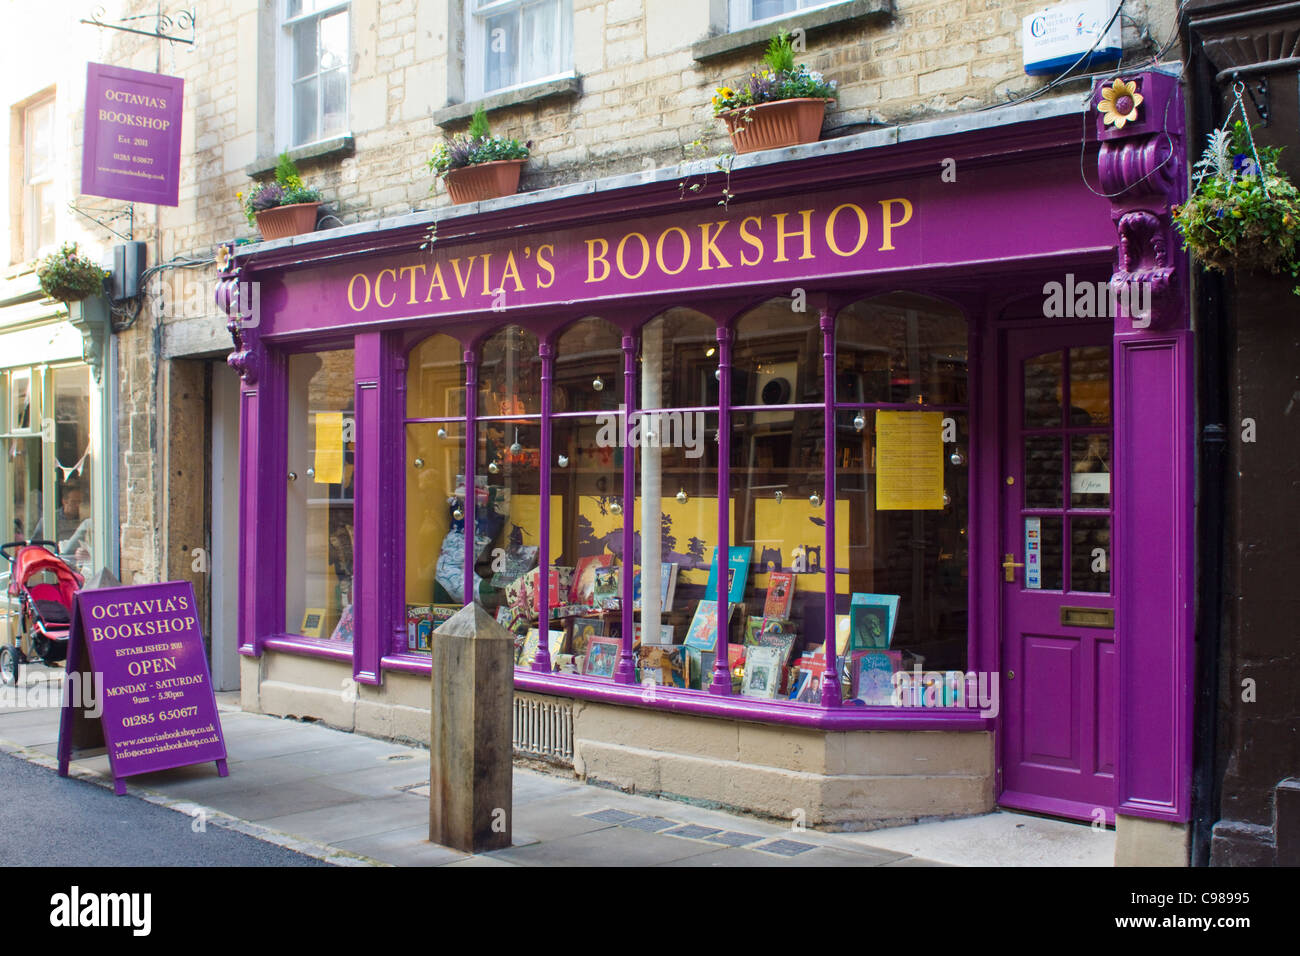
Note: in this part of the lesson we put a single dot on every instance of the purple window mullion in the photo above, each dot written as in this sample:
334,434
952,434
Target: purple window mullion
542,661
471,447
625,672
830,681
721,683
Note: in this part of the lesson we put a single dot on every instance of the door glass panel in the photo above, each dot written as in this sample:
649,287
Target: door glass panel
1044,460
1090,471
1090,385
72,474
1043,390
1090,554
1050,554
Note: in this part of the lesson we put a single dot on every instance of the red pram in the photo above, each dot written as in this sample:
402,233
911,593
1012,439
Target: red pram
44,586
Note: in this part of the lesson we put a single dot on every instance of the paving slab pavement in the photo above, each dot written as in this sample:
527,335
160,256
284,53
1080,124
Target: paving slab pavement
352,800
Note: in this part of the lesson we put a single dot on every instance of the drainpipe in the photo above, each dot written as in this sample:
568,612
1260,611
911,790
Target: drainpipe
1211,331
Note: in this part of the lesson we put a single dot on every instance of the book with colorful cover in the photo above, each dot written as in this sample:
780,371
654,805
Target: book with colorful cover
738,561
665,666
873,673
703,632
513,564
415,613
532,641
584,578
780,595
872,618
772,633
667,587
763,669
584,630
664,635
606,591
343,629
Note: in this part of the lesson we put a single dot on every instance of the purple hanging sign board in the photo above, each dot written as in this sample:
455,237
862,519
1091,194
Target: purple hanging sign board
132,146
159,709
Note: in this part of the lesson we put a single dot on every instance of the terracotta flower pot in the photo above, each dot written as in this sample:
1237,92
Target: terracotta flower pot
776,124
283,221
484,180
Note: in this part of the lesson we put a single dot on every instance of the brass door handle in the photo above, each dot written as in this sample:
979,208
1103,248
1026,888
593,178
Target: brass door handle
1009,566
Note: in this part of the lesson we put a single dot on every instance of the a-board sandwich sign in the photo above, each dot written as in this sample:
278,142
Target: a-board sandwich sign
159,710
132,146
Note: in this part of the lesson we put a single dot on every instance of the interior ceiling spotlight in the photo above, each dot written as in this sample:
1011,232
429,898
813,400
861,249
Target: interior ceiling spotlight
710,352
859,421
598,384
682,496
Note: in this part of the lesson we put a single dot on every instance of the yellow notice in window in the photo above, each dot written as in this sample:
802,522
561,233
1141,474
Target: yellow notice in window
329,448
909,461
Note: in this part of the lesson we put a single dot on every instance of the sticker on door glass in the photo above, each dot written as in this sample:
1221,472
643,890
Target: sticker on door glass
1090,483
1033,552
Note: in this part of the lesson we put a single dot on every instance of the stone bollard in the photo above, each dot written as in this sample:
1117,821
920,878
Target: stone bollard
470,740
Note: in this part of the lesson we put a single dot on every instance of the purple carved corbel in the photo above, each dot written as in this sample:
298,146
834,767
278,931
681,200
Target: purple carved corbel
1141,170
237,298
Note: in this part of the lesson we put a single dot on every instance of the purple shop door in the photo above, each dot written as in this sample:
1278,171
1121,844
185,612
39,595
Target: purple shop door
1057,635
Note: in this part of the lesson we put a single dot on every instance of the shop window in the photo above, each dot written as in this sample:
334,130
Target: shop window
314,70
748,13
678,362
901,489
515,42
73,468
435,487
319,512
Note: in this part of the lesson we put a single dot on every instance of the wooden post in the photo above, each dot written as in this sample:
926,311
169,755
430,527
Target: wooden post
470,739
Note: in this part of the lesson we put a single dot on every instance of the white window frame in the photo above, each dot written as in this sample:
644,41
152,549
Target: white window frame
476,11
739,17
284,80
31,247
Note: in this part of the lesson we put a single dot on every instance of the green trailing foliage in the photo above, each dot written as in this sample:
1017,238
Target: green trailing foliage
1244,213
69,276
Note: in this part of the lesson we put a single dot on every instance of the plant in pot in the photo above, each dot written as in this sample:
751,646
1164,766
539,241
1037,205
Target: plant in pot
477,165
779,105
283,207
1244,213
77,282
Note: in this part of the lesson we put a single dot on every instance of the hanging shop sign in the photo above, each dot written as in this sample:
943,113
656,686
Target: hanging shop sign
142,647
132,145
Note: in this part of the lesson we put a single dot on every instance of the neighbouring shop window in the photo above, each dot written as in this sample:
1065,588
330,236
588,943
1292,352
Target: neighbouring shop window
901,481
314,70
24,470
319,509
37,176
514,42
73,468
748,13
435,487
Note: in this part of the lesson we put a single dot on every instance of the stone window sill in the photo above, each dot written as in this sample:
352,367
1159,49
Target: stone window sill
810,21
562,88
335,147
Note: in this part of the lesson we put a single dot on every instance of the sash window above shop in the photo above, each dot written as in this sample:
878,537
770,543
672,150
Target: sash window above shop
312,73
515,42
37,175
748,13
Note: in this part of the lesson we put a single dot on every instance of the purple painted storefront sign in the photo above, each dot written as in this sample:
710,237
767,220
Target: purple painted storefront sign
159,709
133,135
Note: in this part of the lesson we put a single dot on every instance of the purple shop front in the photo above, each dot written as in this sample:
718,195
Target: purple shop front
397,394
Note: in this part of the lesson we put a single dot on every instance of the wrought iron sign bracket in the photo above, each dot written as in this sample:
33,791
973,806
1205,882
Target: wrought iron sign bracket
170,27
103,215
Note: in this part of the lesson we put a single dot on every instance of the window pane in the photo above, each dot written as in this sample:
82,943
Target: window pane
304,49
1044,458
500,56
44,213
1050,557
1090,385
777,358
764,9
435,541
23,476
1043,390
318,515
679,357
73,472
588,367
901,348
1090,554
1090,471
510,374
335,106
334,42
435,379
918,557
304,111
40,141
539,41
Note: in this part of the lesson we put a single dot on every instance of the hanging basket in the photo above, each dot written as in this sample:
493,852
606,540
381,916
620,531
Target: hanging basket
280,222
484,180
775,125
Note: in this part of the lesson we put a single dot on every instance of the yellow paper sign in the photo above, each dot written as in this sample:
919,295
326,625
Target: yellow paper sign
328,463
909,461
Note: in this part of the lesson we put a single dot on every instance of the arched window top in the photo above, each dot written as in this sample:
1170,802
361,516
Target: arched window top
901,348
679,354
510,374
435,379
777,356
588,367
